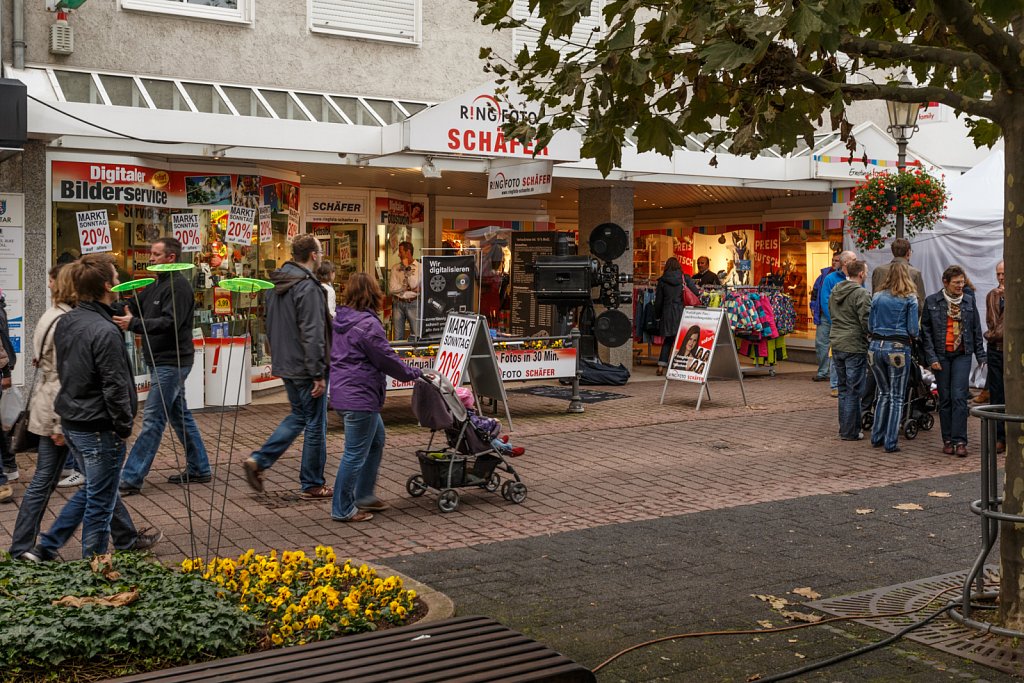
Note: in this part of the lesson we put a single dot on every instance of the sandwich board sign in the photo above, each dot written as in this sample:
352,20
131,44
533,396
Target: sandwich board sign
704,349
466,352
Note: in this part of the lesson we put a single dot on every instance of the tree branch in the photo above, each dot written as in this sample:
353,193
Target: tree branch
994,44
882,49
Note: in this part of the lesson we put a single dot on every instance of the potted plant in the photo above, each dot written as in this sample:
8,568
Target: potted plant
871,217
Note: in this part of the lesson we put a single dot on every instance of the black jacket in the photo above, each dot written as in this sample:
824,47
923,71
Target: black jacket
97,388
5,339
297,324
161,304
668,303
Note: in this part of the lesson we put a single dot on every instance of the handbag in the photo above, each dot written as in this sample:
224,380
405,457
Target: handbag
689,298
20,438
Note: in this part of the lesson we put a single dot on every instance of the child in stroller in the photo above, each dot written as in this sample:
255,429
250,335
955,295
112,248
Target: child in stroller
473,453
487,428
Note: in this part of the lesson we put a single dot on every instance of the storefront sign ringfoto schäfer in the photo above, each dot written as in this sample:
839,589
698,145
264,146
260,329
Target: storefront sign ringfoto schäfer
519,180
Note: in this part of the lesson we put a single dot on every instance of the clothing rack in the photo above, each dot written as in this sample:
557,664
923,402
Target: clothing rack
764,367
640,354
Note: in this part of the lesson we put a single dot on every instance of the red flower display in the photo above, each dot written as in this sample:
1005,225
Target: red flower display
871,217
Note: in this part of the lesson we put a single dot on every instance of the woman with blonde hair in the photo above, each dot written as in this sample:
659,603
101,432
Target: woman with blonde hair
893,324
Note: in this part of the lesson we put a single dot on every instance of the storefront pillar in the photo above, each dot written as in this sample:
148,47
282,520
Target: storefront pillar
610,205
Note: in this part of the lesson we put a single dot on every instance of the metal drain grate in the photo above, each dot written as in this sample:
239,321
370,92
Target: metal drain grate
943,634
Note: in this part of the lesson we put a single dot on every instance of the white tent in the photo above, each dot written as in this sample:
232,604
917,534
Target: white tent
971,235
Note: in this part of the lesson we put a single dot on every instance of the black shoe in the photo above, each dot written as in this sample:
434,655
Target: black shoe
816,378
126,490
147,538
186,478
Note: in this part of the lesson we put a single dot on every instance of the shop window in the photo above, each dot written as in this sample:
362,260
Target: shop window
238,11
320,108
588,31
246,102
356,111
283,105
206,98
78,86
387,110
397,21
165,95
413,107
123,91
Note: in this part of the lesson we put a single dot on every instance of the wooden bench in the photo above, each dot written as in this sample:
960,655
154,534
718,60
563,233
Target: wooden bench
460,649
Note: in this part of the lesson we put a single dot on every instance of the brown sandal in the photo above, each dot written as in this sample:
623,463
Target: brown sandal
318,492
360,516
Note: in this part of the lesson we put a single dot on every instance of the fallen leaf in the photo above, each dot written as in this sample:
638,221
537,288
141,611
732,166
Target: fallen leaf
775,602
864,511
801,616
939,494
792,640
764,623
907,506
116,600
753,677
104,564
799,656
807,592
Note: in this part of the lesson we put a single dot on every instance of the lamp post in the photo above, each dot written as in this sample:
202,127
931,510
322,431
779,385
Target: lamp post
902,126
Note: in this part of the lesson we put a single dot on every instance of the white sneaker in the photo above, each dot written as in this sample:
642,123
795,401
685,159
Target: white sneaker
76,479
12,475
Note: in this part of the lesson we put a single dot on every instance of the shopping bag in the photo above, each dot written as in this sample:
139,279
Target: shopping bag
11,405
979,375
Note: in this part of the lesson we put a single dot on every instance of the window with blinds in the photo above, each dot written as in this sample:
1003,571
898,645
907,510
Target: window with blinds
583,32
396,21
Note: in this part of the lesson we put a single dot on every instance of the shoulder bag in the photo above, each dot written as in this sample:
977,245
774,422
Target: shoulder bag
21,439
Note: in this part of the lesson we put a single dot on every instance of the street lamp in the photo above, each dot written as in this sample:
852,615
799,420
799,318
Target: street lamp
902,126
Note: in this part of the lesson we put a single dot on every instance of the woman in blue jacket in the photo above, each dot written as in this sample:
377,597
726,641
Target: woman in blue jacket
361,361
951,333
893,324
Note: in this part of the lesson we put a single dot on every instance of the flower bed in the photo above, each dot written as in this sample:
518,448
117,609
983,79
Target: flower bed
871,216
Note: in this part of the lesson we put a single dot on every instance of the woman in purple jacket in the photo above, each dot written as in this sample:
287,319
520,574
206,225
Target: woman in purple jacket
361,360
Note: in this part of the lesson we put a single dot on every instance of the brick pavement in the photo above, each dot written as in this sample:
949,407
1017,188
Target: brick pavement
624,460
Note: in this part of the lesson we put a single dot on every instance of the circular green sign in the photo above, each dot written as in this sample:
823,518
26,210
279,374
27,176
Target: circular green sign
165,267
245,284
132,285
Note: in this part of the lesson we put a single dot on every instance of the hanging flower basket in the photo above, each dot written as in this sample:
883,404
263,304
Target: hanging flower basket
871,217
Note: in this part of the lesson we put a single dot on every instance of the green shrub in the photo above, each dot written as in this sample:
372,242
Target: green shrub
176,618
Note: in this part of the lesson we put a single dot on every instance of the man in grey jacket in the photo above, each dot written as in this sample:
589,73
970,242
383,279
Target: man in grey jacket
298,329
850,305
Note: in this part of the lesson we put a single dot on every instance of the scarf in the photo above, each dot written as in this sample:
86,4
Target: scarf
953,313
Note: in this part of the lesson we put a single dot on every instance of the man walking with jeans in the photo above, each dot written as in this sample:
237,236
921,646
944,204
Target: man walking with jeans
995,305
299,332
827,285
163,316
822,326
850,304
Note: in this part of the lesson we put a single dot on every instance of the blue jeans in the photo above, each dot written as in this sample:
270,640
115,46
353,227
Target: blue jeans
402,311
953,382
889,362
96,505
851,369
995,386
309,418
357,471
821,344
49,464
166,400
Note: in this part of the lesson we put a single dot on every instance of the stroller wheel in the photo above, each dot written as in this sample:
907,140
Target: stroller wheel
517,492
448,501
416,486
910,429
505,489
867,420
927,421
492,484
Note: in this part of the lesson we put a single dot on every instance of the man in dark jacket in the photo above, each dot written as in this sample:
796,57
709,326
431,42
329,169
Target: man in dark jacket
822,326
704,275
9,468
97,404
995,310
901,253
298,330
162,314
850,305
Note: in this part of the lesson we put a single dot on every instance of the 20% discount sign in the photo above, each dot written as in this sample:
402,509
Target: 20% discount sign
93,231
456,343
186,230
240,220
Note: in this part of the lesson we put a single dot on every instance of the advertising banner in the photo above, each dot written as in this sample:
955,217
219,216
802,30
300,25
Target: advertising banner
694,344
449,286
12,258
529,318
336,208
293,224
266,225
456,343
515,364
186,230
239,230
93,230
519,180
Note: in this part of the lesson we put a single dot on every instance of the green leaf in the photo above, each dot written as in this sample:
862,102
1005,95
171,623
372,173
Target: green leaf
725,55
657,133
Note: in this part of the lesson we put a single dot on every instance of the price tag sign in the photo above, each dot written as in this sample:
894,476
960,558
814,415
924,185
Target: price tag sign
240,220
186,230
456,344
293,224
93,231
266,225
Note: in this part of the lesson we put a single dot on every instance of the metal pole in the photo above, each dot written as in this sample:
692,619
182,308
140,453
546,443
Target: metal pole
901,165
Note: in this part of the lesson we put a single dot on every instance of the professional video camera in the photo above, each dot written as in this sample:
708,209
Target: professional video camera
567,282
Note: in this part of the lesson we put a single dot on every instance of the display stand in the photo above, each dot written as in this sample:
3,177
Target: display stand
704,350
466,352
228,380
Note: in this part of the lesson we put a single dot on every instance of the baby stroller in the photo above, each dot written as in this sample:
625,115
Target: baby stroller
918,404
468,459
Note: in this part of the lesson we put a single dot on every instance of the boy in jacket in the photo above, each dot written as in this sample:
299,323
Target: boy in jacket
850,305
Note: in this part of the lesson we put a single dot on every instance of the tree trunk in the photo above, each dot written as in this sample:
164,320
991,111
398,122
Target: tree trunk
1011,546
